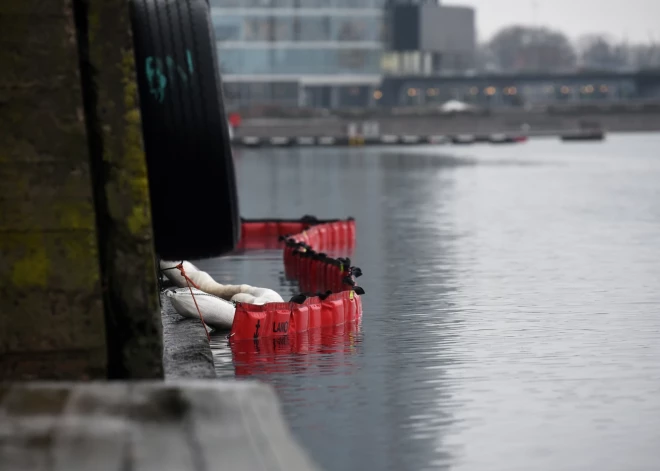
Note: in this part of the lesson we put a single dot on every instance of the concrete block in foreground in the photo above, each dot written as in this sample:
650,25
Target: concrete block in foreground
165,426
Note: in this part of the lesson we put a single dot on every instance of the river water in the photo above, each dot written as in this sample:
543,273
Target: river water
512,307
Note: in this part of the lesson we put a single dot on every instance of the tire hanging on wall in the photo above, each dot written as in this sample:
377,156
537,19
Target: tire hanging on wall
192,181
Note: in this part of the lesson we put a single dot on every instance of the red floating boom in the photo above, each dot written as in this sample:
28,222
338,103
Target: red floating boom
337,300
268,234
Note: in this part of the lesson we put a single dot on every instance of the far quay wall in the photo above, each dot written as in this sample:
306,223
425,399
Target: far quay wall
438,124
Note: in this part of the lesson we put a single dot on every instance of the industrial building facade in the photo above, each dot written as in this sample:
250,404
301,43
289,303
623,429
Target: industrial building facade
309,53
333,53
426,38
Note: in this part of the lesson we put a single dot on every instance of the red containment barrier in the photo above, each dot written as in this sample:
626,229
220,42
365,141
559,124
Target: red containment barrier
250,321
334,276
351,232
303,265
321,264
337,299
332,310
281,319
350,307
330,274
314,309
300,318
253,230
331,237
306,266
276,319
342,229
321,268
321,235
312,278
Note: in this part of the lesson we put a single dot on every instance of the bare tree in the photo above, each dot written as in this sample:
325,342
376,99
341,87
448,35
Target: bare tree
597,51
645,56
521,48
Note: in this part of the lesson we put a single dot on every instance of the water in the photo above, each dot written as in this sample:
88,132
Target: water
511,316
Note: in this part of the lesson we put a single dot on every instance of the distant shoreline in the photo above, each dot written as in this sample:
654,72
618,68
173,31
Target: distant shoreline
508,122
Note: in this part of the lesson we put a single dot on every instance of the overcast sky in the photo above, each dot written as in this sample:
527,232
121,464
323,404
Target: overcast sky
638,20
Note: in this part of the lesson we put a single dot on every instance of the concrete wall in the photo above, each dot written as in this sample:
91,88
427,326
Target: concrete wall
51,307
78,296
123,213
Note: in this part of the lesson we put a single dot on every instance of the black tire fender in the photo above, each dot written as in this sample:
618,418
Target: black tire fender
192,182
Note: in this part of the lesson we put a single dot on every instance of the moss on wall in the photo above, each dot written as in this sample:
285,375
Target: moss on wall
122,191
78,291
50,292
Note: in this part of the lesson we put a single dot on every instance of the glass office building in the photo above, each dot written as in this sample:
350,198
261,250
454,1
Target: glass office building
318,53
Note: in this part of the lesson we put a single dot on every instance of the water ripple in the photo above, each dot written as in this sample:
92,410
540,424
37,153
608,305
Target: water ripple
511,309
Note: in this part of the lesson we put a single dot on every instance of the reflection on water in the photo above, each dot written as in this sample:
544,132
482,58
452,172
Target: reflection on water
511,316
318,351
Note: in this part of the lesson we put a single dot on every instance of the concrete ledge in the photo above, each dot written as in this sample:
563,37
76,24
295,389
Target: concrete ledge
186,351
169,426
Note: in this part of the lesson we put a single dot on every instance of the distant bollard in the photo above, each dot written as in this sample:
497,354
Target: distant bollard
186,136
354,136
356,141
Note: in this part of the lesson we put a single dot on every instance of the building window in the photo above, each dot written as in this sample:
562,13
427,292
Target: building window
228,28
226,4
310,28
261,93
353,3
311,4
352,58
248,61
231,92
283,3
284,29
347,28
285,91
259,28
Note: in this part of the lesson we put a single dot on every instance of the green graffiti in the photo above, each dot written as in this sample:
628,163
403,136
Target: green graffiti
172,66
156,78
161,73
190,62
